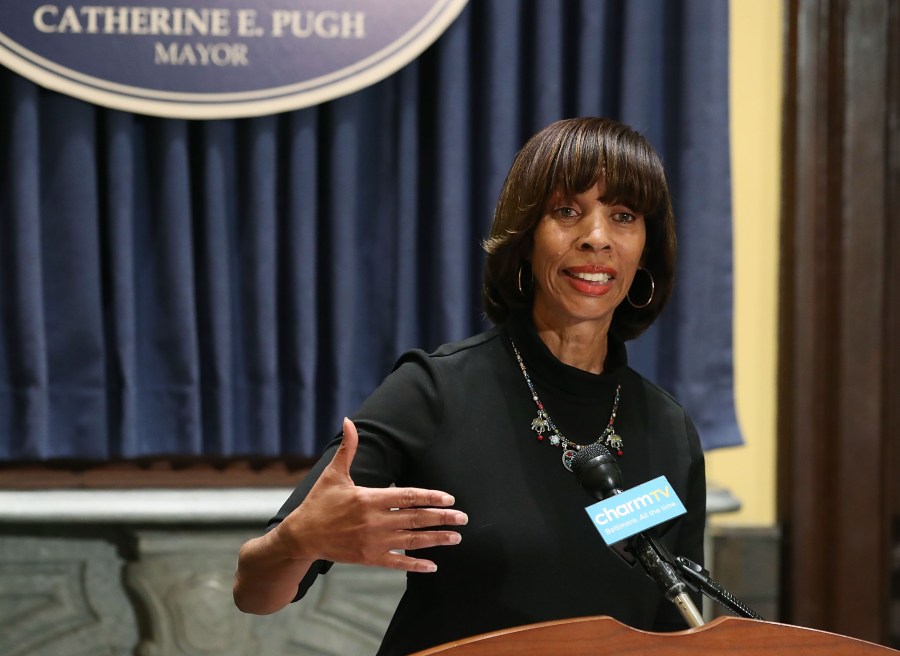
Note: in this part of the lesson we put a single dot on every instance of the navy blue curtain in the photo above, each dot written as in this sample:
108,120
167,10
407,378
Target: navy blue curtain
233,288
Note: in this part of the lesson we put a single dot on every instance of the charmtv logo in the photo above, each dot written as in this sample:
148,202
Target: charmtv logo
635,510
645,501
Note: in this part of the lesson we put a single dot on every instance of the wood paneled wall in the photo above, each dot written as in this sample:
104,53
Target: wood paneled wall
839,358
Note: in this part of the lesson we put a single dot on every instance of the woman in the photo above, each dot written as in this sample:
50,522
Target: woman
478,435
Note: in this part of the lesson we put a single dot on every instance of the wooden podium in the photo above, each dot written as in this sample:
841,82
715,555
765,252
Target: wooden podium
599,636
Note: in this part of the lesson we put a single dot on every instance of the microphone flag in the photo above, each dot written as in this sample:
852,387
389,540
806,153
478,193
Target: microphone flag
635,510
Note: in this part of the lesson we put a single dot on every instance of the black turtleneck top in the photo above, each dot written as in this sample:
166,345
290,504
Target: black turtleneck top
459,420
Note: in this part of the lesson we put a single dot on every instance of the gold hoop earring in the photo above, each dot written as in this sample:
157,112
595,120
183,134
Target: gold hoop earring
519,280
652,289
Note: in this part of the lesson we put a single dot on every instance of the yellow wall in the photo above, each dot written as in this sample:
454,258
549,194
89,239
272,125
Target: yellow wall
756,76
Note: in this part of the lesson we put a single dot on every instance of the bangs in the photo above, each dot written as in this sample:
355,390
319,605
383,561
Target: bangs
621,161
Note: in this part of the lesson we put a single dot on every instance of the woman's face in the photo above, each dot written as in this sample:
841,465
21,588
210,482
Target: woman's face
585,256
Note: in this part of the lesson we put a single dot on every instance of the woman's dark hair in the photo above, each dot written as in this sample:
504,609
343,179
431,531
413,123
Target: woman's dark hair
569,157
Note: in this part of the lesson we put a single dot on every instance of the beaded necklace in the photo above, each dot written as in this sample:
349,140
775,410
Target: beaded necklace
543,423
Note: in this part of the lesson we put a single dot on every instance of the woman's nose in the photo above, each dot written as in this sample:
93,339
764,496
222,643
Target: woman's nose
595,236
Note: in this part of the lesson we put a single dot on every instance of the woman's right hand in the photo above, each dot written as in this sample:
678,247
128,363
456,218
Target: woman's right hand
344,523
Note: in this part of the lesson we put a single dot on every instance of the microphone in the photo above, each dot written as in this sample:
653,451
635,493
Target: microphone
597,471
699,579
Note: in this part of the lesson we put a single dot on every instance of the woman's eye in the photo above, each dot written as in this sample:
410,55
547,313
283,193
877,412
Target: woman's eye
565,212
624,217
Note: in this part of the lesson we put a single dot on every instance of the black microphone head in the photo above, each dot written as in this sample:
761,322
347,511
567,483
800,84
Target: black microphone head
597,471
586,454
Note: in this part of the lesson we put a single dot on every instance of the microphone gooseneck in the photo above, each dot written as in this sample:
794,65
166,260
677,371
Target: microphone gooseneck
699,579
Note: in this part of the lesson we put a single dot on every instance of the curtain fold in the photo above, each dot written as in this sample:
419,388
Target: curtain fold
233,288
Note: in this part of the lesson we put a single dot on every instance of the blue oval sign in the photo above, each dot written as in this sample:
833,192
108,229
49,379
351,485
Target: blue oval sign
227,59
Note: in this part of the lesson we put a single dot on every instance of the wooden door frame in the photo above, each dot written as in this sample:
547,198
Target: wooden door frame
839,323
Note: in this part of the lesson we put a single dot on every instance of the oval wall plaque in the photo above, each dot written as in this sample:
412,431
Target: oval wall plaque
224,59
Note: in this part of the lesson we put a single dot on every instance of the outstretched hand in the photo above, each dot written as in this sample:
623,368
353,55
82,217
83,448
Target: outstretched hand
342,522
